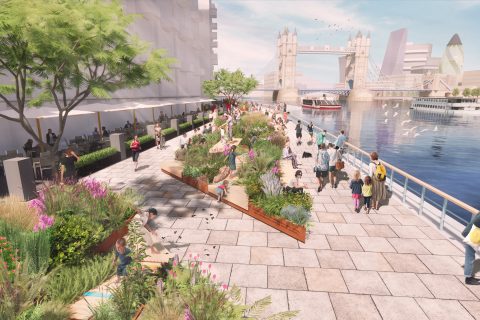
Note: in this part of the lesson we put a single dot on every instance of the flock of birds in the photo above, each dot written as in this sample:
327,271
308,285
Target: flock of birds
414,131
331,28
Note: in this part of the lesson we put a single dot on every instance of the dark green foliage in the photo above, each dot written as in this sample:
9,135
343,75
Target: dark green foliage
72,238
168,131
296,214
143,139
189,171
89,158
67,283
46,311
185,126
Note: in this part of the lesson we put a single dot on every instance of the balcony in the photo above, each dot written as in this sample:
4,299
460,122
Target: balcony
214,36
214,44
213,25
213,12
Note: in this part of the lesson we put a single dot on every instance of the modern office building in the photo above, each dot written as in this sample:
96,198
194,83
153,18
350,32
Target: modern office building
416,55
471,79
395,53
452,59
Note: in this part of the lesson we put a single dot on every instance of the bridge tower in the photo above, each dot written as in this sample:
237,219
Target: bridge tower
357,67
287,60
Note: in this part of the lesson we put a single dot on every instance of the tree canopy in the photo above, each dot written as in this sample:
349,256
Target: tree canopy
232,85
455,92
466,92
62,51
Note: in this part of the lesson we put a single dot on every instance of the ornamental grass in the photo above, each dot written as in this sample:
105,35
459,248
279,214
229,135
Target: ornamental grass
17,213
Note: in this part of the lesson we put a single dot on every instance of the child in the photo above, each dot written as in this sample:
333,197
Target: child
222,190
122,255
356,186
149,228
367,194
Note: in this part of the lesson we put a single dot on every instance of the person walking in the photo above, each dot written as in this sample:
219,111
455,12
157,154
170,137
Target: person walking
135,147
298,132
356,185
367,193
321,138
232,160
470,253
158,135
341,139
68,173
332,164
377,171
321,166
310,131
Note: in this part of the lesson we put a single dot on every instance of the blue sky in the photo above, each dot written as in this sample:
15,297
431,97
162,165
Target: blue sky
247,29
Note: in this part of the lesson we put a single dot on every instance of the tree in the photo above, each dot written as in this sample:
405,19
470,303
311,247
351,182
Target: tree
475,92
466,92
64,51
232,85
455,92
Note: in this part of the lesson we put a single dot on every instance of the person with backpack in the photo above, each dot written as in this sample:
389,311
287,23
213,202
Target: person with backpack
470,248
377,171
298,132
321,166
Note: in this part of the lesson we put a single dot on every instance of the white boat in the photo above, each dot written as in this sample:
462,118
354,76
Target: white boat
327,102
449,105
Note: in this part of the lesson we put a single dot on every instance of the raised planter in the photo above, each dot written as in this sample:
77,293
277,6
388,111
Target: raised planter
98,165
109,242
295,231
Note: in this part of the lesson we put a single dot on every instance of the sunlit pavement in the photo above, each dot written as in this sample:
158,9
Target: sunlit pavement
390,264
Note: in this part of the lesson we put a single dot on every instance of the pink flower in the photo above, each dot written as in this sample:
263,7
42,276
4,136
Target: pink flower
224,286
96,188
193,264
43,223
214,276
37,204
209,266
174,263
200,263
251,154
204,271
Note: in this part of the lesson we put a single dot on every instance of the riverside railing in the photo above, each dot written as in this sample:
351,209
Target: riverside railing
425,199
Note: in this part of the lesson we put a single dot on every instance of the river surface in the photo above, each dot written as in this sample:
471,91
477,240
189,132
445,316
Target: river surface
443,151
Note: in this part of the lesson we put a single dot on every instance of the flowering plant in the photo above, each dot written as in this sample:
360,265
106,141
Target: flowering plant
8,255
96,188
44,222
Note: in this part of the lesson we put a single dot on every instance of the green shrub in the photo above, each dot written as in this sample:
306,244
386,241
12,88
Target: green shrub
33,247
272,206
143,139
168,131
189,171
295,214
105,311
89,158
198,121
72,238
66,284
185,125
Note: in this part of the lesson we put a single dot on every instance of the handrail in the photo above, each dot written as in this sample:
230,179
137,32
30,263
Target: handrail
427,186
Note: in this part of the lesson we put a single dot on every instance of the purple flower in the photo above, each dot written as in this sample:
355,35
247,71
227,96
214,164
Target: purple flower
188,314
43,223
96,188
251,154
226,150
37,204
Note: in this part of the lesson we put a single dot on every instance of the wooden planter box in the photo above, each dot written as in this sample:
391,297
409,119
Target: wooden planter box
109,242
295,231
283,225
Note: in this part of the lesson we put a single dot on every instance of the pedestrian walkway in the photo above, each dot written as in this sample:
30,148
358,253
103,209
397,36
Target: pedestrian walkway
390,264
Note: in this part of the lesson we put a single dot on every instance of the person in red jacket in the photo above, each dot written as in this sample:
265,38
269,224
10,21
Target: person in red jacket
135,147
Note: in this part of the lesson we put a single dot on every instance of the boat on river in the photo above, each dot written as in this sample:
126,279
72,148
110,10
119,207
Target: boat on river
447,105
327,102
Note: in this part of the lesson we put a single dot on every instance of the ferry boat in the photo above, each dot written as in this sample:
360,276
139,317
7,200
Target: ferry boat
449,105
328,102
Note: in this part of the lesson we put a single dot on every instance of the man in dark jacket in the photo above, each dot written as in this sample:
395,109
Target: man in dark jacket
470,253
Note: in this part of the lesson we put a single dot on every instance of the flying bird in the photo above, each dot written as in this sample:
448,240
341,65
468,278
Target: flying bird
408,113
386,114
423,130
405,121
413,128
395,114
436,128
386,120
396,106
384,105
416,135
405,134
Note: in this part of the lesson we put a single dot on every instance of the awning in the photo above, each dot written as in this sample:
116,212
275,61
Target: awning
42,113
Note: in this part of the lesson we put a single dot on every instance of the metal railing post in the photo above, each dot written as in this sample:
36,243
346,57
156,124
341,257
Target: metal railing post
391,180
361,162
422,199
444,211
405,187
355,159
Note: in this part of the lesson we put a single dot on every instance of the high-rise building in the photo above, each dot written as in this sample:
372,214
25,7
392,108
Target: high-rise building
394,55
452,59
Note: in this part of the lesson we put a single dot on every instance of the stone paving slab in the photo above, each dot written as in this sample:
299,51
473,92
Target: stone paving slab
390,264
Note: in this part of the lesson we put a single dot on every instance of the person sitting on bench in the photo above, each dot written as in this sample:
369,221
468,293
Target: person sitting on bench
288,154
295,185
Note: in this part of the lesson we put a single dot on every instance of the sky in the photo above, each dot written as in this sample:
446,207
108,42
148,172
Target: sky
248,29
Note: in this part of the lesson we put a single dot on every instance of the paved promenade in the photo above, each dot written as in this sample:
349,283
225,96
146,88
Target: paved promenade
389,264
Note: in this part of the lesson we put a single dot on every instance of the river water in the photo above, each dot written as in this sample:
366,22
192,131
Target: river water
443,151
